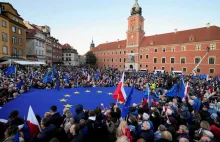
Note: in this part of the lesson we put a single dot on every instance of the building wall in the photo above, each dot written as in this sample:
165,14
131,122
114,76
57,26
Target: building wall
30,46
4,43
74,59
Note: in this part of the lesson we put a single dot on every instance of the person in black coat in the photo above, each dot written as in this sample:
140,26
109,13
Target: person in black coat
76,134
146,133
14,119
55,117
205,115
79,113
90,124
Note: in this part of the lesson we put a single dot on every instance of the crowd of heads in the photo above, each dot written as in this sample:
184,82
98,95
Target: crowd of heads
195,117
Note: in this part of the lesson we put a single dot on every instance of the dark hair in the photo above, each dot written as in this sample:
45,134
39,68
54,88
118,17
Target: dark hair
14,114
12,130
53,108
92,113
44,121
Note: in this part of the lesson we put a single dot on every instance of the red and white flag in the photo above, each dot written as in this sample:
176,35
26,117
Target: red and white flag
186,90
33,123
119,93
88,77
207,77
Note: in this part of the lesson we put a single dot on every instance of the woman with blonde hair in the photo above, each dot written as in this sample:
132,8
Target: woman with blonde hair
68,121
123,130
183,132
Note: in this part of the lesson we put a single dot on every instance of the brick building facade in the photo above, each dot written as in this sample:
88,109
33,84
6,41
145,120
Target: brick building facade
178,50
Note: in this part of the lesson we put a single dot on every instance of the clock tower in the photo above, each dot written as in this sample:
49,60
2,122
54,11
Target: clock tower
135,32
135,35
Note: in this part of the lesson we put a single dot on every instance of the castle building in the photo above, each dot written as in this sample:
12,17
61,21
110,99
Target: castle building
178,50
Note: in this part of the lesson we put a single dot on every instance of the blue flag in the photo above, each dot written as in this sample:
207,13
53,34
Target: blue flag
54,68
16,138
6,69
20,84
125,109
67,78
97,76
10,70
26,131
45,78
181,89
173,91
147,90
57,84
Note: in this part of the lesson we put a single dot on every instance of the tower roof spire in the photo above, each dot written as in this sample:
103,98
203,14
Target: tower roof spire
92,43
136,9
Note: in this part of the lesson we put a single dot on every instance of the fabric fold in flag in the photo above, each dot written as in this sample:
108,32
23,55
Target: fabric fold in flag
119,93
125,109
33,123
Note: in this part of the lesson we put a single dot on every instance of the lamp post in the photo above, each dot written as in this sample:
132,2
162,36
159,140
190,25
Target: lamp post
207,51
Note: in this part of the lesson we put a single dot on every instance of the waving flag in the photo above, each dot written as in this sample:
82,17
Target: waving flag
33,123
20,84
26,131
88,77
125,109
67,78
46,78
173,91
97,76
11,70
119,93
181,89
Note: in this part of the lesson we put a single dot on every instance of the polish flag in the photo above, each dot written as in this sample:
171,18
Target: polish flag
186,90
207,77
88,77
119,93
33,123
164,108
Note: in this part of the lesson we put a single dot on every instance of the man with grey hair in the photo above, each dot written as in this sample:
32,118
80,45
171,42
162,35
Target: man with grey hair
207,136
146,133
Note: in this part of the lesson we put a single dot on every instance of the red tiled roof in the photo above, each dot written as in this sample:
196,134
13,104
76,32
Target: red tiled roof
111,45
66,46
198,35
32,32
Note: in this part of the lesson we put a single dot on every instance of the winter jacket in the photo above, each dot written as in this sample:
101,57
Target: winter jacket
157,135
79,113
184,136
215,129
47,133
185,114
55,119
147,135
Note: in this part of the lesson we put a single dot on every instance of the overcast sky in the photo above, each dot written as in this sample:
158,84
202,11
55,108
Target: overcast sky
77,21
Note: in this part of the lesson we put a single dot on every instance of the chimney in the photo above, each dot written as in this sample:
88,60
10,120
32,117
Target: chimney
208,25
175,30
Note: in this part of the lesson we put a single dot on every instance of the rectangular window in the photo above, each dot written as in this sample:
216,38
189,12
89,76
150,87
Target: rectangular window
4,36
155,68
140,65
163,68
212,46
198,47
5,50
211,70
198,70
211,60
140,56
13,29
20,52
14,40
164,49
182,60
155,50
163,60
172,49
69,54
146,66
146,56
197,60
183,48
20,41
171,68
172,60
14,51
184,69
155,60
19,31
3,23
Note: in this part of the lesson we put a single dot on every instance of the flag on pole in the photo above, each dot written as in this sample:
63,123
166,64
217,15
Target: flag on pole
181,89
33,123
26,131
88,77
125,109
186,90
119,93
11,70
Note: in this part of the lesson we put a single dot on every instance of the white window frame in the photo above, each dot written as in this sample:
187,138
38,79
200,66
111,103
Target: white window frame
154,58
213,46
13,28
181,59
20,41
214,59
183,48
213,70
198,47
162,60
195,59
19,31
4,39
183,68
4,23
3,51
174,60
14,40
164,48
173,49
155,49
147,56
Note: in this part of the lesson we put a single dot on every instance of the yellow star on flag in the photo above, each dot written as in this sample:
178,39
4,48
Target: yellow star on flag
109,93
63,100
76,92
67,95
99,91
121,102
68,105
87,91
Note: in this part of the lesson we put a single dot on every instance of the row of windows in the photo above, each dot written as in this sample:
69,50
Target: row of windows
120,52
116,60
39,52
20,52
14,39
211,60
39,43
14,30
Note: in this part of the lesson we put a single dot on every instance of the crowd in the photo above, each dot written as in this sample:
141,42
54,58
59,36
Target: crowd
195,117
